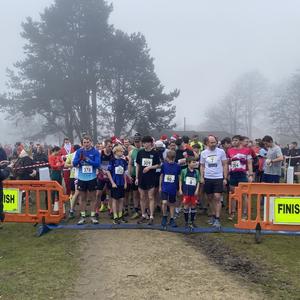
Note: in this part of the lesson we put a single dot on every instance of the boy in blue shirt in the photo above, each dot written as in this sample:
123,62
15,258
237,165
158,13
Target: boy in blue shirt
168,187
189,188
117,177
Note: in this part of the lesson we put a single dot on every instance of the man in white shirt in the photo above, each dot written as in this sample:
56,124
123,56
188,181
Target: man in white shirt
214,172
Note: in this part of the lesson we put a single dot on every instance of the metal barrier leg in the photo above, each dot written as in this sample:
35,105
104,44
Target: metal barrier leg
258,233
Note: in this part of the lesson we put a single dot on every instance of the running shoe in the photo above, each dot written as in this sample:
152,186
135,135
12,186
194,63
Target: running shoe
172,223
217,223
244,217
231,216
81,221
116,221
193,225
135,216
94,220
142,220
123,220
71,214
164,221
151,221
211,221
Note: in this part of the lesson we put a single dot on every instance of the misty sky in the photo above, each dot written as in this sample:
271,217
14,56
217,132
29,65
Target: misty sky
200,47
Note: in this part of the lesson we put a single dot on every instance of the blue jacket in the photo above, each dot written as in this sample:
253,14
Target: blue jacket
87,161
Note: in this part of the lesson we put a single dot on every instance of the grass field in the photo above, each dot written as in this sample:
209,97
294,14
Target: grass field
36,268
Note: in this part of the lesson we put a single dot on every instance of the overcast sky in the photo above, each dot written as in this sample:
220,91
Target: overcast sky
200,47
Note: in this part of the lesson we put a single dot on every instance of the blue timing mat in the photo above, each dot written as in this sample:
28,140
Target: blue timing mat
42,229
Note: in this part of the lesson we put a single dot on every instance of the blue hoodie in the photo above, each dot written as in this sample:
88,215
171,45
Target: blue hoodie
87,161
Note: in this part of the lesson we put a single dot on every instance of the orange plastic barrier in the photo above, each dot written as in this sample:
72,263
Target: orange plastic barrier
254,193
35,195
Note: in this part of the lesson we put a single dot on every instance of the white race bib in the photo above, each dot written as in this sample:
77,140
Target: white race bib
169,178
147,162
87,169
236,164
190,181
119,170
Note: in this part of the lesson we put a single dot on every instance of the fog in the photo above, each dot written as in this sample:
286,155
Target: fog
200,47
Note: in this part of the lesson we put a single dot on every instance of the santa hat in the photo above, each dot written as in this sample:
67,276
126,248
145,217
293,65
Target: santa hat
116,140
164,137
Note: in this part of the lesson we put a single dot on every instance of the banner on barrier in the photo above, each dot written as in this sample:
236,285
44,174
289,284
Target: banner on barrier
287,210
12,200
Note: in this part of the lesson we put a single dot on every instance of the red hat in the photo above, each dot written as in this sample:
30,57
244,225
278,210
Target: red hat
164,137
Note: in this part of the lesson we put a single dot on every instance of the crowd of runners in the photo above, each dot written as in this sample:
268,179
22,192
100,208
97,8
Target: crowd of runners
136,178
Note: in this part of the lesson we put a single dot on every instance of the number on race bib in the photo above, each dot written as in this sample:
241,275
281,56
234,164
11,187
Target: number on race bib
119,170
146,162
190,181
236,164
169,178
87,169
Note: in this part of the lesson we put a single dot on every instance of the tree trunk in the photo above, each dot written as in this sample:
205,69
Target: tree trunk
94,115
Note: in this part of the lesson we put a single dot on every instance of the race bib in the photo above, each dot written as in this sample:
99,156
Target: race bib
212,161
147,162
87,169
119,170
236,164
190,181
169,178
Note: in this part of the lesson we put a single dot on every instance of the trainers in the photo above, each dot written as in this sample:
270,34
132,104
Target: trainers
164,221
126,213
94,220
217,223
116,221
151,221
135,216
123,220
211,221
231,216
71,214
193,225
187,225
103,208
172,223
142,220
81,221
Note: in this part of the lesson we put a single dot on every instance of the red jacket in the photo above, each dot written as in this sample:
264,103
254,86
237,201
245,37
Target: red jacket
56,162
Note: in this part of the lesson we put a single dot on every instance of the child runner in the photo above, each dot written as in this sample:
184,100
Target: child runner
168,187
117,177
189,188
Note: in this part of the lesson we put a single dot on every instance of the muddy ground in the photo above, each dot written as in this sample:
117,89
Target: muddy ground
139,264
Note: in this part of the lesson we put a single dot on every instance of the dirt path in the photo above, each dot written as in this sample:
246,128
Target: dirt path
151,265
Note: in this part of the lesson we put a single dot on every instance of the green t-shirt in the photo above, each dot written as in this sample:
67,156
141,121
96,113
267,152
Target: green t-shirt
134,154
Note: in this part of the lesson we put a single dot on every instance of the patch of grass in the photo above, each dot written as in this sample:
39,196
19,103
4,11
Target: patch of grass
280,255
273,265
36,268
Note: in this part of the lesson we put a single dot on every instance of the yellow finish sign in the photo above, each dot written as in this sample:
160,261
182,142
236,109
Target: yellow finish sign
12,200
287,211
